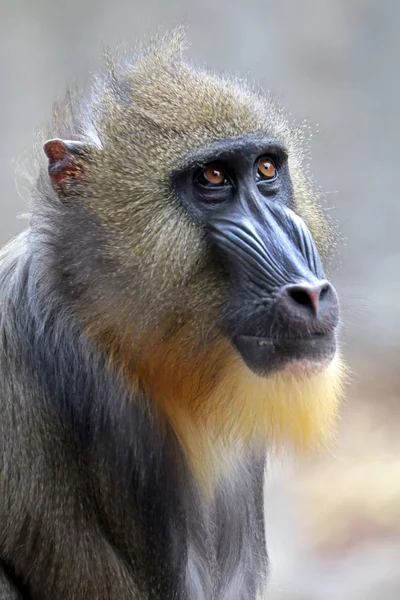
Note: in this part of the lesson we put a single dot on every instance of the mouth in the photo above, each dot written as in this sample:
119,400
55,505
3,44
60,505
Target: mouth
264,355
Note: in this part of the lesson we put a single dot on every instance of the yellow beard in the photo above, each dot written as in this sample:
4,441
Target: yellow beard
225,409
291,406
219,408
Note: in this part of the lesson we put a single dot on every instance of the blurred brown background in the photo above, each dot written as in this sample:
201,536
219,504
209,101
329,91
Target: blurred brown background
333,522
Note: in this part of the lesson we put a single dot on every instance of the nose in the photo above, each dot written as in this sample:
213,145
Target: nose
314,307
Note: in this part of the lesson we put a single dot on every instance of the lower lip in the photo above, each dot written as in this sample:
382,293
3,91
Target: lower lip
298,355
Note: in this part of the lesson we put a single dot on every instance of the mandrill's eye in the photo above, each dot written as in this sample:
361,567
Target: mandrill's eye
266,169
213,176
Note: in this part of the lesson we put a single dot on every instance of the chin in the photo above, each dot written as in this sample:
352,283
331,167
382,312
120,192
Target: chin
296,401
305,367
297,355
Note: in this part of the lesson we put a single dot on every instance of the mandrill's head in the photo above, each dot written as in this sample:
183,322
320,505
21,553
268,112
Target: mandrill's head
191,244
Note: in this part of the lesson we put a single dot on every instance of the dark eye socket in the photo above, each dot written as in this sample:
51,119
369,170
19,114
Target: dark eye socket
213,176
266,169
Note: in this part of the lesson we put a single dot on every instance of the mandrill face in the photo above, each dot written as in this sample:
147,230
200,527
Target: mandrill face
282,313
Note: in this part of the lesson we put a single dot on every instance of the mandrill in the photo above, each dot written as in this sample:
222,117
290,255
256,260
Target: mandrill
165,319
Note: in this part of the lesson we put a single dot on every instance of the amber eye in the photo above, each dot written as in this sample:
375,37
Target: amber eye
213,176
266,168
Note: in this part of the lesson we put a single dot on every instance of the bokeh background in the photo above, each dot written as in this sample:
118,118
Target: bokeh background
333,520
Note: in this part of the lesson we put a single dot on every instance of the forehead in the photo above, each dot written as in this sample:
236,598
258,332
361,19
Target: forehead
244,145
159,115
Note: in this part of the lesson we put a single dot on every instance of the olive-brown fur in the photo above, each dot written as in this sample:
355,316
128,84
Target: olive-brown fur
132,437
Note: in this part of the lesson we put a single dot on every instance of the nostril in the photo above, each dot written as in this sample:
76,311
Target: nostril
301,297
309,305
308,297
324,292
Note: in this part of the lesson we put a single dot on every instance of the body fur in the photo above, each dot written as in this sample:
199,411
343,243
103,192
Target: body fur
133,436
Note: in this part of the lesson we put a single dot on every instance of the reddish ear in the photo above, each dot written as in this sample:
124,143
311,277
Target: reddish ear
67,164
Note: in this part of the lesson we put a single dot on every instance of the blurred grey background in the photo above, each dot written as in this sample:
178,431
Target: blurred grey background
335,63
